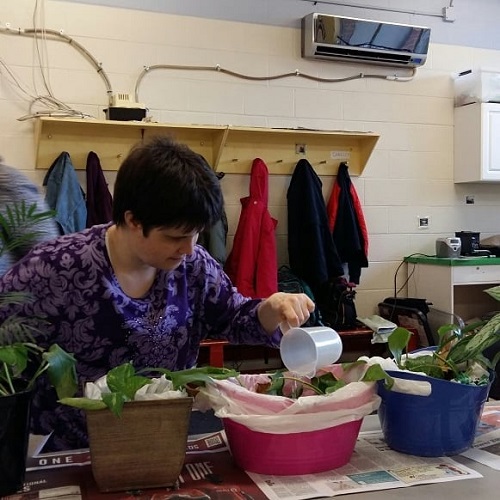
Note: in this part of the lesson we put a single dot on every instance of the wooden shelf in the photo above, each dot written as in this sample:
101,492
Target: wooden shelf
228,149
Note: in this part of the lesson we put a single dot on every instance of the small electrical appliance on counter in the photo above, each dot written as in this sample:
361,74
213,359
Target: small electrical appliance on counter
470,244
448,248
470,241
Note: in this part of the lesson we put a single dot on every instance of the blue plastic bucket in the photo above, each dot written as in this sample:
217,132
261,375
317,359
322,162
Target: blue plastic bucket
443,423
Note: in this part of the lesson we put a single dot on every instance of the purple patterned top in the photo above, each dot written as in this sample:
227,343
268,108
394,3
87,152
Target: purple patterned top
75,289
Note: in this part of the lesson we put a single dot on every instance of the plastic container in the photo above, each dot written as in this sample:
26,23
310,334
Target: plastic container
477,86
291,454
443,423
305,350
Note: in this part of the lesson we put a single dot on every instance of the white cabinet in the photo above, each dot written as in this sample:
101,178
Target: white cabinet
477,143
455,286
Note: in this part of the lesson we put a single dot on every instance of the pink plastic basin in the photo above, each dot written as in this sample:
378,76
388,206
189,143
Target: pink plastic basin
291,454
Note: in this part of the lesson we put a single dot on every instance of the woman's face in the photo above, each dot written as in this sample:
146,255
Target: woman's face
165,248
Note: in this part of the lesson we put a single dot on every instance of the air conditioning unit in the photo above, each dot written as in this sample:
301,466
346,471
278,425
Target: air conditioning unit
357,40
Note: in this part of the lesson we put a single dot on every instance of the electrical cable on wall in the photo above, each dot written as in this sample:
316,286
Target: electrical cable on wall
55,107
58,108
57,35
296,73
410,274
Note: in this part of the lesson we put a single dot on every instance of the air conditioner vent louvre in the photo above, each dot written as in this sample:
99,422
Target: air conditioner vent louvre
361,54
359,40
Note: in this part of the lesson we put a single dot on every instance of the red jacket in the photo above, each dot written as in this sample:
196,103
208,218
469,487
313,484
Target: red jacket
252,263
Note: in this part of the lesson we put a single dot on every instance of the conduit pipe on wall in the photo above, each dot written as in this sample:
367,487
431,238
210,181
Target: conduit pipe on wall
295,73
60,36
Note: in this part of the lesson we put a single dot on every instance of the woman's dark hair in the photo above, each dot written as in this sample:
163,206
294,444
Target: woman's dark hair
164,183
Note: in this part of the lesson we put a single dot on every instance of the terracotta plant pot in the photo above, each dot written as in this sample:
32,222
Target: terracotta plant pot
14,436
143,448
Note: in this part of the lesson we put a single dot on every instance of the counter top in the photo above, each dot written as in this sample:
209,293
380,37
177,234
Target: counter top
457,262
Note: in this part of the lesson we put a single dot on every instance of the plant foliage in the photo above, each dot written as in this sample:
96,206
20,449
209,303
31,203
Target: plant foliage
123,382
458,351
282,383
22,361
18,225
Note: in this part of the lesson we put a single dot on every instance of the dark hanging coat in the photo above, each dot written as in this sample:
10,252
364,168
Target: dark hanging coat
312,253
99,199
252,263
347,224
214,238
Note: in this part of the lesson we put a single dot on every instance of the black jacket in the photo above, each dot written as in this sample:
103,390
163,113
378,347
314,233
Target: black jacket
349,232
312,253
99,200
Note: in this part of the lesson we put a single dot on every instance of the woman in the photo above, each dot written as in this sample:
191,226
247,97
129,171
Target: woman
139,289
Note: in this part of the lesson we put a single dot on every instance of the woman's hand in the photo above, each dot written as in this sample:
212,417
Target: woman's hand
289,309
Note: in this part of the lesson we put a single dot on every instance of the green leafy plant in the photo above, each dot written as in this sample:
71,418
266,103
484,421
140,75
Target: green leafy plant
124,381
22,360
324,384
18,225
459,351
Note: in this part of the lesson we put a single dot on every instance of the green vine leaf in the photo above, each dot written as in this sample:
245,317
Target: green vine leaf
115,401
196,376
376,372
84,403
398,342
277,384
124,380
61,371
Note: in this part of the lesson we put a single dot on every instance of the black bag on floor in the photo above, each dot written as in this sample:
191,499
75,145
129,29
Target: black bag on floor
289,282
335,301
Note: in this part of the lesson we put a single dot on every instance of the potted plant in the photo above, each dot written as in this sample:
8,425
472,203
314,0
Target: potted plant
22,361
283,423
138,425
138,441
435,405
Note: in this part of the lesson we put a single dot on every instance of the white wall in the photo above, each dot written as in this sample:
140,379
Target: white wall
475,21
409,174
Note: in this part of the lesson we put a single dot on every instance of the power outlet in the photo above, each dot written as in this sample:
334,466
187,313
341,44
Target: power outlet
423,222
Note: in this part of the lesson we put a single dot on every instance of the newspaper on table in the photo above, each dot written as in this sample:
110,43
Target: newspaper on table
373,466
210,473
486,447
